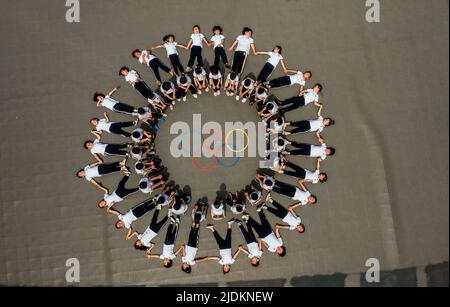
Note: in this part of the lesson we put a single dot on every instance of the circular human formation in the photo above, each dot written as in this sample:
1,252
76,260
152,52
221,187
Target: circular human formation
139,147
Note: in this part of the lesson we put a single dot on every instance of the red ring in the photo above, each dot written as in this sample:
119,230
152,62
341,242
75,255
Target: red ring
203,169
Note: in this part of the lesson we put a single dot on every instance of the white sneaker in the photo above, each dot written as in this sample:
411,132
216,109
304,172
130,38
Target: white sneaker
184,98
237,97
244,100
207,89
218,93
199,92
195,96
178,99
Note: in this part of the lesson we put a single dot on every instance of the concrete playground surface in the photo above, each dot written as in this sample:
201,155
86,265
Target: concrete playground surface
386,85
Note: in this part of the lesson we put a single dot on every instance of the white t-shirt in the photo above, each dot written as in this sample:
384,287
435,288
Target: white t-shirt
191,252
200,77
244,43
226,257
128,218
155,100
98,148
275,162
112,199
301,196
319,151
167,252
182,210
145,54
297,78
313,176
274,58
215,77
109,103
234,210
91,172
218,211
197,39
103,125
163,196
141,131
132,76
261,96
278,128
136,156
273,242
149,188
316,124
310,96
217,40
292,221
144,116
147,236
171,48
254,250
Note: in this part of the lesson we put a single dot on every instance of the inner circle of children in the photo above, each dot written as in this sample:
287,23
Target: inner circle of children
168,202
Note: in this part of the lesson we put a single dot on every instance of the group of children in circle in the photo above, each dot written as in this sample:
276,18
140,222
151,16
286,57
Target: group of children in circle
148,165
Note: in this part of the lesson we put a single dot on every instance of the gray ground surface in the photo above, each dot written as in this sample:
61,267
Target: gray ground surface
385,84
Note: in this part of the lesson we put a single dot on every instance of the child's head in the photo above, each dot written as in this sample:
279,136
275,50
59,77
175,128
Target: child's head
196,29
330,151
307,75
183,79
261,90
136,150
141,111
323,177
88,145
94,121
143,185
278,49
198,70
281,251
233,75
217,30
136,135
139,166
186,268
247,32
214,69
247,82
328,121
166,86
98,97
169,38
136,53
318,88
124,71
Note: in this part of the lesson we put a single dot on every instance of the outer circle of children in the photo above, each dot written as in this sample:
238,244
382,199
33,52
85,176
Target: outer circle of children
136,152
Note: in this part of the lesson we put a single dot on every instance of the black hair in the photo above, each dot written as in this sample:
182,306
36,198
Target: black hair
198,70
143,185
136,134
239,208
332,122
183,79
283,253
233,75
123,68
269,106
187,270
136,150
177,206
256,264
308,72
115,225
325,177
304,228
139,166
214,69
217,203
280,120
332,150
78,173
247,82
281,142
141,111
246,29
151,95
315,199
261,90
160,200
268,182
86,143
318,85
279,48
196,26
217,28
133,53
254,196
94,118
226,272
166,38
141,248
168,264
166,86
96,95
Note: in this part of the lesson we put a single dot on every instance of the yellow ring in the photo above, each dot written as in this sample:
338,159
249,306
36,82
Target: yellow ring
228,135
